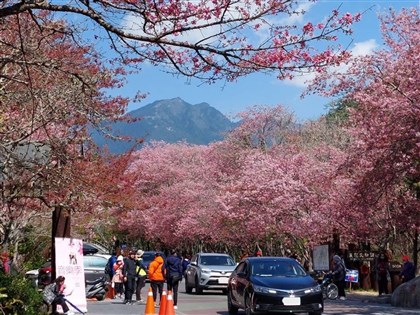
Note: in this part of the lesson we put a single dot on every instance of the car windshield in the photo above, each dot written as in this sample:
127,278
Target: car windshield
277,269
94,262
217,261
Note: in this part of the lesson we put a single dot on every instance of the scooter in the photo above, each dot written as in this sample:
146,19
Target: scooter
329,288
96,288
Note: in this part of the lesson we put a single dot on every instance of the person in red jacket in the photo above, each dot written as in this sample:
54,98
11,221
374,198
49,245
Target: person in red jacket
156,274
5,262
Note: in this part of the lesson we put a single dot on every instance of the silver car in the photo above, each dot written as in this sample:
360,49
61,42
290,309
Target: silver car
208,271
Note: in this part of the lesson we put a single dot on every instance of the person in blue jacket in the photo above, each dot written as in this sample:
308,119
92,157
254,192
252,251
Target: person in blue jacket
408,270
174,274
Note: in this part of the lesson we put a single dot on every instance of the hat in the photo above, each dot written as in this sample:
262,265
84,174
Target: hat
140,252
405,258
121,258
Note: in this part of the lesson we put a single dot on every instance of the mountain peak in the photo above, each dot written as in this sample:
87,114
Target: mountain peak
171,120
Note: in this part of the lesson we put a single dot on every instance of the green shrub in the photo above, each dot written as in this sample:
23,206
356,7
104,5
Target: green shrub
18,297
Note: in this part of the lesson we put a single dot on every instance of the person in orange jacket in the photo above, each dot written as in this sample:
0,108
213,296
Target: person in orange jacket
156,272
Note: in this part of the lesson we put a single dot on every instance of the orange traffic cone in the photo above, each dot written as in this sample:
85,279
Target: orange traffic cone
110,293
150,304
162,306
170,304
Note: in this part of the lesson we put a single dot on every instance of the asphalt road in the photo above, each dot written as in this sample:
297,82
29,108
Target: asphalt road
214,303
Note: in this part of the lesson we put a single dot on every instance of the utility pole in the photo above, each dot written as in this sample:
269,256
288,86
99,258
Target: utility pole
61,227
415,248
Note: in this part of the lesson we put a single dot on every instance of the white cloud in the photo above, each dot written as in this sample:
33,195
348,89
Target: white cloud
301,80
204,30
298,18
134,23
359,49
364,48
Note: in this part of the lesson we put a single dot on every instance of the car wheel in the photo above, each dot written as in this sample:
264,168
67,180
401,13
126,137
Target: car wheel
231,308
188,289
248,305
100,297
198,290
332,291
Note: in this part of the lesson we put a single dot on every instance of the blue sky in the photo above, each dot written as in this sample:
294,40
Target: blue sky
233,97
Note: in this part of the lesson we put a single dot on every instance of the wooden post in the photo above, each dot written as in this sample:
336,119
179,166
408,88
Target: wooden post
415,248
61,227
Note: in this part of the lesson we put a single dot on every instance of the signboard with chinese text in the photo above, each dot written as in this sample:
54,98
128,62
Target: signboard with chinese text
362,256
69,263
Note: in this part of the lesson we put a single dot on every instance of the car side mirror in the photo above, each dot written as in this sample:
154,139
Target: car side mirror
193,263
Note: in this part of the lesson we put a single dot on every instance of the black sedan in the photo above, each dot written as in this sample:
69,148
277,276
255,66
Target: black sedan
273,285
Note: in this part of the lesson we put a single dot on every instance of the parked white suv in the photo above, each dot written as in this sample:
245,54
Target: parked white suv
208,271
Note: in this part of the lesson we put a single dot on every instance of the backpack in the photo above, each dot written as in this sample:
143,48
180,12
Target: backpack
49,293
109,267
164,269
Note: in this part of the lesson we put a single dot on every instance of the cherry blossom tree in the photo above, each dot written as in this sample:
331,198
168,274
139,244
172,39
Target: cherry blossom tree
263,127
175,192
360,181
50,92
234,195
53,82
381,176
209,40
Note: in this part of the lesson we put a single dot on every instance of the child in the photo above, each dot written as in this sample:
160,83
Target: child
118,278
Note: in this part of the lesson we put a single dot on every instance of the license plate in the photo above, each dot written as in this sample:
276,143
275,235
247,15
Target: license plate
291,301
223,280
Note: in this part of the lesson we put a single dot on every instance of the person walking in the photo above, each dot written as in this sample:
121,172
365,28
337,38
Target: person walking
118,277
185,262
157,276
382,274
129,272
109,268
54,295
174,274
339,273
141,273
408,270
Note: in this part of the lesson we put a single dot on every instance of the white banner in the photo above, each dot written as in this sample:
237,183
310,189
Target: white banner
69,263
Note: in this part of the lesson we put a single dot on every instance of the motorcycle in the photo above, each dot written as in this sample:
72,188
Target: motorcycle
329,288
96,288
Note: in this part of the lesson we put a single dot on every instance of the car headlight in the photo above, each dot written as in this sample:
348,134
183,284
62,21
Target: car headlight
261,289
314,289
205,271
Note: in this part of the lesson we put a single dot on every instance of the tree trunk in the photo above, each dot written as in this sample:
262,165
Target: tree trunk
61,227
415,248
